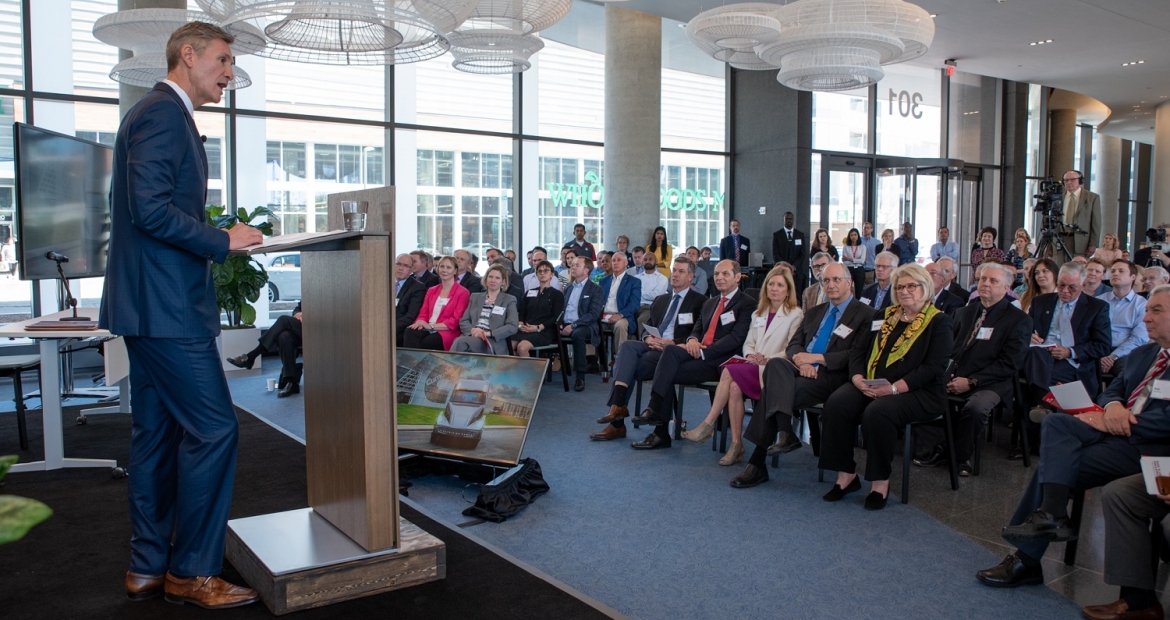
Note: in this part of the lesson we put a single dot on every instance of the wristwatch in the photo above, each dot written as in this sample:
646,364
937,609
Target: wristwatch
894,389
974,383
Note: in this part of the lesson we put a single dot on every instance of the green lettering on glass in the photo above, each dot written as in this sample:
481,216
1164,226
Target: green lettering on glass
560,196
591,194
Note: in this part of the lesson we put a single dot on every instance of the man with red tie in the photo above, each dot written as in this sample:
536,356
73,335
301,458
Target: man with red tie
1088,450
716,337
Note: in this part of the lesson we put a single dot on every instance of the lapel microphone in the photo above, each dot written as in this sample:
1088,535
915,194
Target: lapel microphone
203,138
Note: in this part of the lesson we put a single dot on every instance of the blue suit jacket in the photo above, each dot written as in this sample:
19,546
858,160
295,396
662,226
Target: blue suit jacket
1154,420
727,249
158,282
629,298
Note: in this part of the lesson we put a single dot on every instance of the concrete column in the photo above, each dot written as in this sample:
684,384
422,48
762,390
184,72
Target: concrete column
1108,185
633,124
1016,209
1160,209
129,95
1061,142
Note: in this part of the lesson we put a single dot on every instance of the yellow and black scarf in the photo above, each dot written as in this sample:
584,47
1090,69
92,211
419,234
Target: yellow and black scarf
904,342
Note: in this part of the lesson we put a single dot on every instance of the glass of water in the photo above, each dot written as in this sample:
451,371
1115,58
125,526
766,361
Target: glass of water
353,215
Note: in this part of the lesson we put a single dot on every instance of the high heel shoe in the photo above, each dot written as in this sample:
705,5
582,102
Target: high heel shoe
734,454
700,433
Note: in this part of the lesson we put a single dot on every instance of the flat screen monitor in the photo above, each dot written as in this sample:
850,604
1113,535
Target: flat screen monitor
62,203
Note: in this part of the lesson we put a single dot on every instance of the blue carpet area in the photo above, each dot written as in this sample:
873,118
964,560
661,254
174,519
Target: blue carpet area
661,535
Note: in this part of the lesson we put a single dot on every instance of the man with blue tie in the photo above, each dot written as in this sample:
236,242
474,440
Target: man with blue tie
879,294
160,297
735,246
581,319
673,315
815,364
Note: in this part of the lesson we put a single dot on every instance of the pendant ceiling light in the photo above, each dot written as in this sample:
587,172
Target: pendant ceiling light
731,33
146,31
517,16
493,51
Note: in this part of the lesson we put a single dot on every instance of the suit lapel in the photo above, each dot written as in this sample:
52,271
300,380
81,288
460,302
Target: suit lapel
1078,316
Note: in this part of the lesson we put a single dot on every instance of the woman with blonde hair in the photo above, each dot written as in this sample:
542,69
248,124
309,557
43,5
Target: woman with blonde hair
1110,249
1020,251
775,320
887,243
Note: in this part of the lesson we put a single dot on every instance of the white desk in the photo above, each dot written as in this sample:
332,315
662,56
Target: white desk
51,389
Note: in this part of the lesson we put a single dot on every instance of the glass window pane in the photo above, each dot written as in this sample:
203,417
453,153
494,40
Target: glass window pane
568,77
974,118
909,119
11,45
694,94
841,120
325,162
434,93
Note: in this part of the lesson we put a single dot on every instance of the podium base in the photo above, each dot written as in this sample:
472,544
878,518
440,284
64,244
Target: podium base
297,560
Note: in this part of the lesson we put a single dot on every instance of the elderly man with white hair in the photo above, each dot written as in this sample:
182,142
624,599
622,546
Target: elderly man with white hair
951,272
1153,277
991,337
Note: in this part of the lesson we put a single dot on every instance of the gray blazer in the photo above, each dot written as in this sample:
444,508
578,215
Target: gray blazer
500,325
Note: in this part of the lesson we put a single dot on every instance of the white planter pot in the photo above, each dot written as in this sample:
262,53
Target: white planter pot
233,342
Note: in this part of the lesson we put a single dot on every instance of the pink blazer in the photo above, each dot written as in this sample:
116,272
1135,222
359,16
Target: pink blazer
451,313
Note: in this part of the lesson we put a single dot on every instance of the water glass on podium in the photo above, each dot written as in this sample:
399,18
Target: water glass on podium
353,214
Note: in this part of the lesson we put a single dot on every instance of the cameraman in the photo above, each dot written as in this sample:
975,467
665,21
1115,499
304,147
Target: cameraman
1152,255
1082,216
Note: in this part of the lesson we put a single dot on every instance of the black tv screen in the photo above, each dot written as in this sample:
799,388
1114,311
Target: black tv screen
62,203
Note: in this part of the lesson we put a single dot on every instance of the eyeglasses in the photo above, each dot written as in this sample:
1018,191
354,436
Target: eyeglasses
883,266
405,265
819,267
1068,287
834,280
907,287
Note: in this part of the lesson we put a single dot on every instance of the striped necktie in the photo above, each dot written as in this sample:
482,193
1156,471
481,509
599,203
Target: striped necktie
1141,394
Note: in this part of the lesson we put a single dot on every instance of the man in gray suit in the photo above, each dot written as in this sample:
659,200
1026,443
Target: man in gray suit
1082,217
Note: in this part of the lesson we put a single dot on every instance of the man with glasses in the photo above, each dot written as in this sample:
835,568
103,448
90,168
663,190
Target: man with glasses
530,280
1082,217
814,295
878,295
1152,277
408,296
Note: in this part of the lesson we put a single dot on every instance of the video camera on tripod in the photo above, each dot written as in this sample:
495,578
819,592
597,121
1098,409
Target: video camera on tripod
1050,206
1050,200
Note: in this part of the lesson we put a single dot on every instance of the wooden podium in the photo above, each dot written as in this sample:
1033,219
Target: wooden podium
351,541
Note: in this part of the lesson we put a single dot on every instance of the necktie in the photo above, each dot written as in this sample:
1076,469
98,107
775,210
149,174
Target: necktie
822,340
709,337
1065,326
1070,209
1138,398
821,295
735,240
789,235
668,320
975,332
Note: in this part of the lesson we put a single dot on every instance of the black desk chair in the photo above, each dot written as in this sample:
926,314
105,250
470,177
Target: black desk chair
13,366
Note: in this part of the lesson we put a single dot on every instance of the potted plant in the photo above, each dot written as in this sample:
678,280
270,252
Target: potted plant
239,281
18,515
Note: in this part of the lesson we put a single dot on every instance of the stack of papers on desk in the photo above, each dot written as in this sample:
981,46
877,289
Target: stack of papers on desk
62,326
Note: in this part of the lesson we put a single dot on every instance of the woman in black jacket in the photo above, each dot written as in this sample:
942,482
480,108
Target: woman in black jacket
540,309
909,351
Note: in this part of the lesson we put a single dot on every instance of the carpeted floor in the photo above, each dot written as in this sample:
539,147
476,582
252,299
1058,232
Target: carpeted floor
661,535
72,565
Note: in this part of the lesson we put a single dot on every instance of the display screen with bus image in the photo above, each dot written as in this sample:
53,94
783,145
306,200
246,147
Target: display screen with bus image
470,406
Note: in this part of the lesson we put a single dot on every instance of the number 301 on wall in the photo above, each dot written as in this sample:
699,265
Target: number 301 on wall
907,103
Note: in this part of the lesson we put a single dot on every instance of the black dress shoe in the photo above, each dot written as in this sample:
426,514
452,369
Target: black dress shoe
242,361
787,443
966,469
836,493
289,389
648,416
875,501
1040,526
579,386
651,442
749,477
937,457
1011,572
1016,454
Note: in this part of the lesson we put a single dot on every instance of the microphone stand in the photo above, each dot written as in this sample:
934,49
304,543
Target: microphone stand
70,301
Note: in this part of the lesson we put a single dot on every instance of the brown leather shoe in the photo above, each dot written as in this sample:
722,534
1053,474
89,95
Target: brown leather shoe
615,413
1119,610
143,587
609,432
209,592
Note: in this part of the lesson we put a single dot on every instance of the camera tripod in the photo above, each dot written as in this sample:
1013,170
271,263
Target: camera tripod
1050,242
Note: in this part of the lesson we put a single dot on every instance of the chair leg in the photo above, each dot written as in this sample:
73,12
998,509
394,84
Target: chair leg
814,431
21,425
637,402
950,431
678,409
1074,518
1157,541
564,352
907,452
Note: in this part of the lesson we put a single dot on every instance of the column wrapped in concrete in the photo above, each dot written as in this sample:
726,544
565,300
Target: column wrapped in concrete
129,95
633,125
1160,201
1107,169
1061,142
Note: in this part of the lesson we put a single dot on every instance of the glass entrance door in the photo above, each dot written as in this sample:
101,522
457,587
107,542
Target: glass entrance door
844,196
919,191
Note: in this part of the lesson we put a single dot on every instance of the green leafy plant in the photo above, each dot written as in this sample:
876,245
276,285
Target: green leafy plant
240,279
18,515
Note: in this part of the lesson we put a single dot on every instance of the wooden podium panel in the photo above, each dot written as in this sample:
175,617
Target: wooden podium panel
349,410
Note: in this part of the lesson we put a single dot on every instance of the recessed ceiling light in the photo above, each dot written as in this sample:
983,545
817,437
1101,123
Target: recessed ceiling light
934,15
1133,62
1041,42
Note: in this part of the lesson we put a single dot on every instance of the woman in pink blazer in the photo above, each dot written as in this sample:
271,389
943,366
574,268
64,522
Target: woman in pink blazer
437,326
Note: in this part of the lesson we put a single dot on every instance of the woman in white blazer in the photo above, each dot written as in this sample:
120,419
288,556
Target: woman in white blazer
773,323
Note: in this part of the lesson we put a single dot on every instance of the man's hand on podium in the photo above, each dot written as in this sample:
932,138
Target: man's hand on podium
242,236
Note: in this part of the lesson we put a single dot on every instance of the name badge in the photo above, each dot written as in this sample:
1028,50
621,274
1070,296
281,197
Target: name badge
865,300
842,331
727,318
533,292
876,326
499,310
796,242
686,318
761,321
984,333
743,246
1161,389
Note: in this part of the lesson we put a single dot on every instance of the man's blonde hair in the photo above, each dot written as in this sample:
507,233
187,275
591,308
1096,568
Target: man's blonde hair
197,35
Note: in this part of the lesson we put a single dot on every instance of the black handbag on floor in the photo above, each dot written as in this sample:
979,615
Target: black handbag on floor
510,493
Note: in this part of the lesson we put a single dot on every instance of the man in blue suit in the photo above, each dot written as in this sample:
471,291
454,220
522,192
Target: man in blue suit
581,321
1091,449
620,303
159,295
735,246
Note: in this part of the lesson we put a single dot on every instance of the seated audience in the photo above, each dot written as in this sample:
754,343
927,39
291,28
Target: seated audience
906,246
989,342
700,281
853,256
1153,277
815,293
909,351
423,268
539,310
638,253
514,284
622,295
285,337
490,317
944,247
1019,254
822,243
879,295
1041,281
1110,249
580,322
568,257
623,247
408,296
986,249
887,244
1085,451
602,269
776,318
437,325
653,282
951,272
531,281
943,299
717,336
466,276
673,315
1071,333
1126,309
1022,278
1095,272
